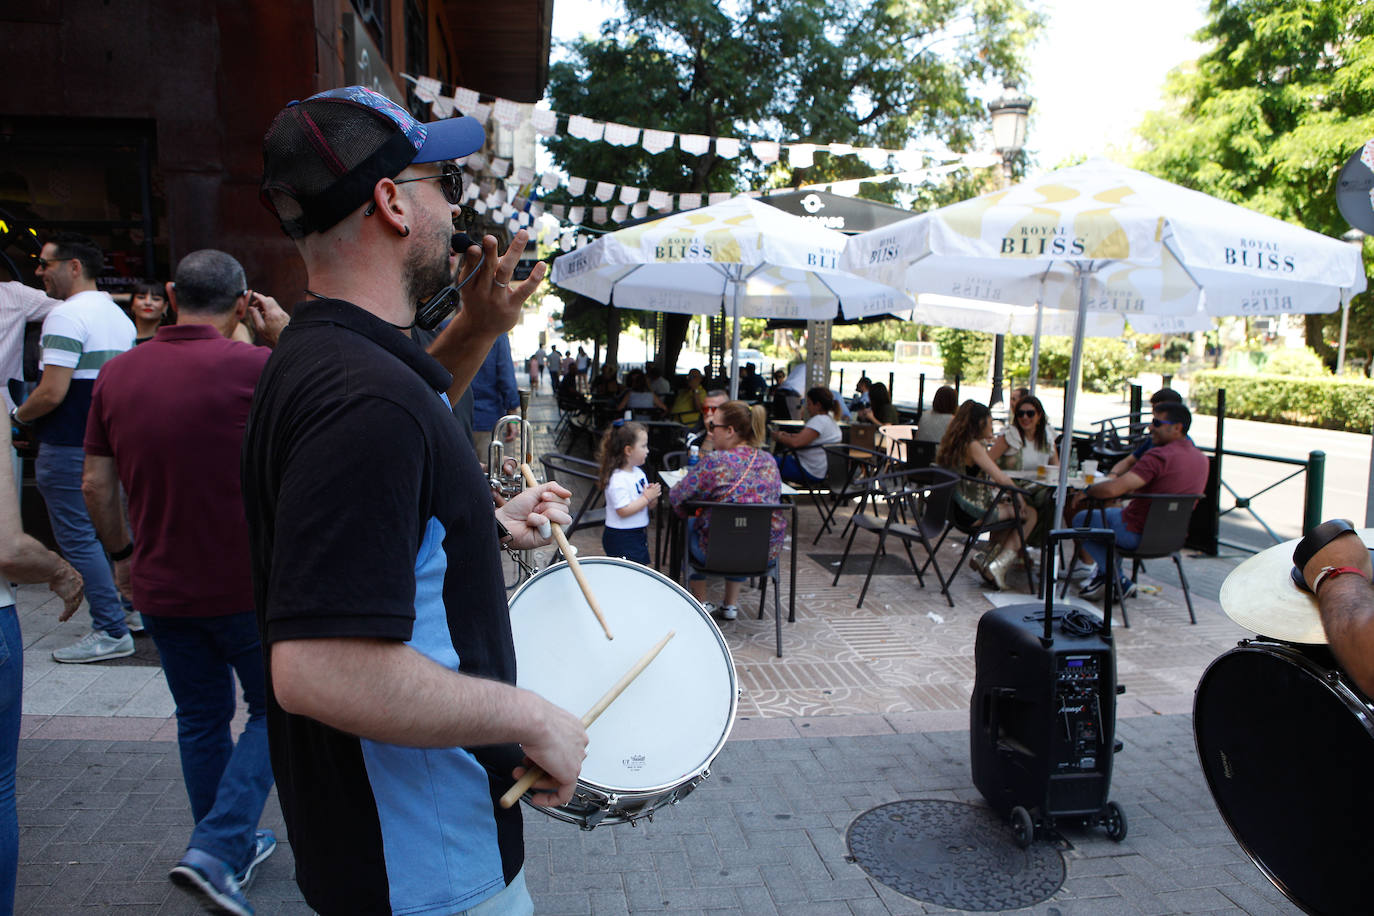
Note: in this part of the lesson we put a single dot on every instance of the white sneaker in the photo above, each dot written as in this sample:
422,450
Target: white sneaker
728,612
95,646
1083,571
134,621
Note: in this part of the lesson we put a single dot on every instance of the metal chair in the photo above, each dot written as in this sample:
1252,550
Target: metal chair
925,494
836,475
740,544
580,476
989,523
1166,529
861,463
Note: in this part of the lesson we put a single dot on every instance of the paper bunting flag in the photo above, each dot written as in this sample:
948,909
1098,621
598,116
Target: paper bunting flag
477,161
619,213
544,121
524,175
660,200
598,214
428,89
548,181
558,210
629,195
696,144
536,209
727,147
500,167
577,186
481,113
656,141
604,190
471,190
465,100
765,150
522,218
621,134
576,214
479,207
800,155
508,113
871,156
639,210
585,128
442,107
688,201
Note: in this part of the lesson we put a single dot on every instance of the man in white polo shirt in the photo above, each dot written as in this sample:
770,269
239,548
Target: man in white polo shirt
79,336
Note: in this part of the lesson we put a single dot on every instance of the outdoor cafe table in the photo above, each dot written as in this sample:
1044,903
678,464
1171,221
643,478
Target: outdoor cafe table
678,536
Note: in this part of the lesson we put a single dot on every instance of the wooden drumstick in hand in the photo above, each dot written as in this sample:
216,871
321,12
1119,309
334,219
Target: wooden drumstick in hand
532,775
571,555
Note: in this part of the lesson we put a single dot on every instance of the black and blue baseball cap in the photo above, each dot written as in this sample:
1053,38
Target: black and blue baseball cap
323,156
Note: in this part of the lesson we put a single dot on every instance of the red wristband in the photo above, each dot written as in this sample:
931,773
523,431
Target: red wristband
1331,572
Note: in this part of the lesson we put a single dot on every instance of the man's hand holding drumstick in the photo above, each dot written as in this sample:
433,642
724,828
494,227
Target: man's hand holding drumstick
527,514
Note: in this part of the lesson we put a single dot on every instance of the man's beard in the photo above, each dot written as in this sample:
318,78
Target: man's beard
427,265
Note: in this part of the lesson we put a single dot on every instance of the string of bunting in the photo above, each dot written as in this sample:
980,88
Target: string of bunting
514,201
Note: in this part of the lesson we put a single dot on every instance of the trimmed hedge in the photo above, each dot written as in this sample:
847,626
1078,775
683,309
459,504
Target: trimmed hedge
1326,402
861,356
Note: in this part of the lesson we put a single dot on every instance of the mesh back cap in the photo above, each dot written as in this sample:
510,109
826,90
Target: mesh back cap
322,157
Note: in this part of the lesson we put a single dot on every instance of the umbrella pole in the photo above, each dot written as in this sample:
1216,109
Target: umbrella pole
1035,341
734,345
1070,402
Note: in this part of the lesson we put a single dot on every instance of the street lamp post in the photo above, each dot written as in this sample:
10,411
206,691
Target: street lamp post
1009,116
1354,237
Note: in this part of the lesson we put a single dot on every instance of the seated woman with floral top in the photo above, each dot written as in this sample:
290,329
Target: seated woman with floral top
736,470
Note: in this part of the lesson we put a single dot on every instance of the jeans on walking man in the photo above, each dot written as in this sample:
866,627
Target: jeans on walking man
79,337
166,422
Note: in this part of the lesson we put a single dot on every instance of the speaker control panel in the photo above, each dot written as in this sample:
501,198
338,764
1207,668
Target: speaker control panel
1079,712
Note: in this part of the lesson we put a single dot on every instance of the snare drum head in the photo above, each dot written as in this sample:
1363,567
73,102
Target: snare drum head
670,723
1288,752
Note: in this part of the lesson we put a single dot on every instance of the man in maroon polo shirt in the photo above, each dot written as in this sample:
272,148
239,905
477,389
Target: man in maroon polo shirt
166,422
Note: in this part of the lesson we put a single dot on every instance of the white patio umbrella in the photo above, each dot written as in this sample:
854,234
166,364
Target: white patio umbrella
1099,237
752,258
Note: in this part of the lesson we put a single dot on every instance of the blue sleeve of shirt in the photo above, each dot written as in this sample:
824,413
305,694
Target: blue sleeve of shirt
505,373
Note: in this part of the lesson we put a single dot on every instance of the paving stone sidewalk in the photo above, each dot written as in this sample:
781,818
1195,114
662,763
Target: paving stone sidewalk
103,821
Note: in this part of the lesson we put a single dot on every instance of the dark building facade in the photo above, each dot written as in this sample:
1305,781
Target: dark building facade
140,123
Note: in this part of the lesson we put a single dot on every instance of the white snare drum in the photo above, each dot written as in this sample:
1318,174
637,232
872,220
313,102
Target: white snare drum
656,742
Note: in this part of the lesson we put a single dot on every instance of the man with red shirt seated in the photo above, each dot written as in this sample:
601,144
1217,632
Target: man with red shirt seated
1172,465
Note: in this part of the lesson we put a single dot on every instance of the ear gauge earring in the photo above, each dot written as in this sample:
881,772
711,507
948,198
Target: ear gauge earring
405,231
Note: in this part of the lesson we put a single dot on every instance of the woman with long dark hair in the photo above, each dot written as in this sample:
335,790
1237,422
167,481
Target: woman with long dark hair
964,449
935,421
1026,442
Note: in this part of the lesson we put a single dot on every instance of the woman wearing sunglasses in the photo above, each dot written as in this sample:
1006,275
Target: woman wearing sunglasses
1028,441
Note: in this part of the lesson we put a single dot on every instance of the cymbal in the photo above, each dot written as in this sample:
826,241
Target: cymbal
1260,595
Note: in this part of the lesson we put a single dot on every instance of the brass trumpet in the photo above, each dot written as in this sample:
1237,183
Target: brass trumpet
503,471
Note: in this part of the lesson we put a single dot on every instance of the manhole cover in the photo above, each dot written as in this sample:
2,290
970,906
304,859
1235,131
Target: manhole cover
953,855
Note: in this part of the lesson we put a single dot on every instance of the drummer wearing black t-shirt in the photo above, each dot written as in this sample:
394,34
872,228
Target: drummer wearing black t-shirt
393,717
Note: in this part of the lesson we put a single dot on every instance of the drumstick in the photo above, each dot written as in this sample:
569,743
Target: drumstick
533,774
571,555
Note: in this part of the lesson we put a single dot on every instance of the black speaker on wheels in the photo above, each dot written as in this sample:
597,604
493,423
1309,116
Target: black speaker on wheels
1042,724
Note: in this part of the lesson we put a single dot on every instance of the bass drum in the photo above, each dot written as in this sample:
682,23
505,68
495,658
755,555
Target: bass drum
656,742
1287,746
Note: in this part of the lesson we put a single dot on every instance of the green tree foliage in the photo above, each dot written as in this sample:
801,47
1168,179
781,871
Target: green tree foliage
1268,116
867,72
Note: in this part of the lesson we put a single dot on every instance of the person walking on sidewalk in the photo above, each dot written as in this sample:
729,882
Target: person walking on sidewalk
22,559
167,423
394,721
79,337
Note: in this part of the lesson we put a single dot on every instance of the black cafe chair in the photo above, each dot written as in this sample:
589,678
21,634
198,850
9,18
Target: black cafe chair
739,545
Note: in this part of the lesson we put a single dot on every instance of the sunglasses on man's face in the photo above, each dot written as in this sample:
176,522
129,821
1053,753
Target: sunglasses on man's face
450,185
1158,422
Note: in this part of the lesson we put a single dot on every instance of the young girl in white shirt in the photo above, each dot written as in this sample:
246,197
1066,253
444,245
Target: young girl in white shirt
624,449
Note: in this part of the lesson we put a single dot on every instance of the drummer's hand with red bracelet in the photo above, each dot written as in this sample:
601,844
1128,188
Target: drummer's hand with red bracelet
1346,602
524,513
